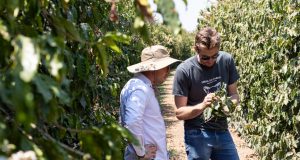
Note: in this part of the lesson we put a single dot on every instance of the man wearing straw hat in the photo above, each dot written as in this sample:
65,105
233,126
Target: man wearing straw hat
140,111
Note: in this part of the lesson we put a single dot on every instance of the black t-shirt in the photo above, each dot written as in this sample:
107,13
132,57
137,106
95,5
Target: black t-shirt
194,81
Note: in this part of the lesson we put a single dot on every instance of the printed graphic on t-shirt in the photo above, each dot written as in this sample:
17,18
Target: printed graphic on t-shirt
209,88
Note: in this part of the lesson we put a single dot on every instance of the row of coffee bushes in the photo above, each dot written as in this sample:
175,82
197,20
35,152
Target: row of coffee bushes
62,65
56,93
264,38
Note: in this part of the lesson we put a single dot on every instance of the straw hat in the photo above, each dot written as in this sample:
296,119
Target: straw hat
153,58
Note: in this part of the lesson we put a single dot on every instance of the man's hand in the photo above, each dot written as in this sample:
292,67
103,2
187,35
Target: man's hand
209,99
150,152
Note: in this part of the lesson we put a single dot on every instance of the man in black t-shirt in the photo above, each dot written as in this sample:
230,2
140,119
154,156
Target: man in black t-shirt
195,82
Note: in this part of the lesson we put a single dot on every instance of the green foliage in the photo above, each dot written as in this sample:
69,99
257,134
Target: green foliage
55,86
264,38
179,45
221,107
167,9
62,65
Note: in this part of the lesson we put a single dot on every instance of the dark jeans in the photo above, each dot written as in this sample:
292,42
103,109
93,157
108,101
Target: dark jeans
202,144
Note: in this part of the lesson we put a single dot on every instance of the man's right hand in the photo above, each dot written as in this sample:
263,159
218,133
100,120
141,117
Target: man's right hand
209,99
150,152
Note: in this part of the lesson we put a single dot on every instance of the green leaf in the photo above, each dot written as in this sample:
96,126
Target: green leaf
83,102
43,87
170,15
61,94
82,67
111,37
118,37
101,58
49,87
111,44
71,31
86,32
66,28
208,113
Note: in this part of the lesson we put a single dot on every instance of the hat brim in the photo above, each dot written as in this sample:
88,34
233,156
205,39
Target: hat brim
151,65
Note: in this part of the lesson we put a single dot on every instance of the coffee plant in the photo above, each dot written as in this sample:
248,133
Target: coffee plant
264,38
222,105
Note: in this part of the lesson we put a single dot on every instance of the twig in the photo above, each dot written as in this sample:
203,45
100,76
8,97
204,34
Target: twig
49,137
7,114
73,130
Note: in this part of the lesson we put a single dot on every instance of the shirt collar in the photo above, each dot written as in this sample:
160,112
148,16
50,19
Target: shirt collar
144,79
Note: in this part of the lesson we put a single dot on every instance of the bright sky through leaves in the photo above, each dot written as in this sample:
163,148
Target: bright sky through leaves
189,13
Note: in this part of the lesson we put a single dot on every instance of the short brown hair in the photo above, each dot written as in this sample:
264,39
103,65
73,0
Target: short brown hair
208,37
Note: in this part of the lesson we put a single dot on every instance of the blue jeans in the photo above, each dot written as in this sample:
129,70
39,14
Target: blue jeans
203,144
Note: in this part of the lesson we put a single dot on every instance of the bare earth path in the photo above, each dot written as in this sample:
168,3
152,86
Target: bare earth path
175,133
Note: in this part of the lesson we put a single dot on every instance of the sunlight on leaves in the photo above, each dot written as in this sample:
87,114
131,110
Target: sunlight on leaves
16,12
138,22
3,31
56,65
28,57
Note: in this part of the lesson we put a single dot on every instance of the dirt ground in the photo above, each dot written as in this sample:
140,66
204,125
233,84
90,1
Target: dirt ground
175,132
